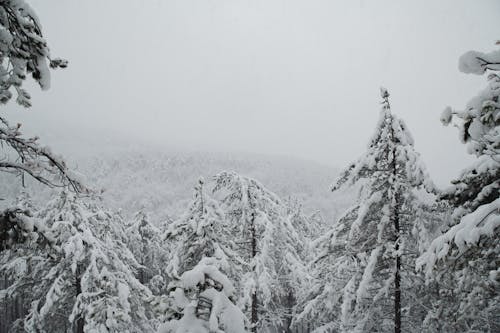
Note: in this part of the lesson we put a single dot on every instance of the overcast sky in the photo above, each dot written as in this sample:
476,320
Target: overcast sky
286,77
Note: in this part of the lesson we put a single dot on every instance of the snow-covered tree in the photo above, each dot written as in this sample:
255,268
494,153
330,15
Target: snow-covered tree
80,271
205,296
364,278
308,227
144,240
265,239
464,260
22,155
202,294
293,240
23,51
15,235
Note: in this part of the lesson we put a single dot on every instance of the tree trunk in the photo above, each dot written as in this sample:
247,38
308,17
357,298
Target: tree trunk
255,316
289,313
397,273
80,321
397,293
395,215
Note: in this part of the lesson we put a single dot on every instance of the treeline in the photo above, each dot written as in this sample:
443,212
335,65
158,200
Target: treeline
75,266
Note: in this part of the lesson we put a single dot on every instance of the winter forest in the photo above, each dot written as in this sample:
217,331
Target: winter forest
191,242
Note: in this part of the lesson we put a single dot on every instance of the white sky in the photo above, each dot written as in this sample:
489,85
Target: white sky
286,77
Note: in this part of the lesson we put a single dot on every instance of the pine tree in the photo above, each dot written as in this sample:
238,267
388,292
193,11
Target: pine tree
265,239
368,257
24,51
144,240
200,263
87,272
295,235
464,260
17,231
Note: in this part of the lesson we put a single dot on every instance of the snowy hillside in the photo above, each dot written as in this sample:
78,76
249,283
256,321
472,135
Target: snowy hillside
162,182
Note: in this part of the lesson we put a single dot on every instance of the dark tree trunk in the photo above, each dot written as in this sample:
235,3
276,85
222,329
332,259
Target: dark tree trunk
289,306
397,281
255,315
397,274
395,215
80,321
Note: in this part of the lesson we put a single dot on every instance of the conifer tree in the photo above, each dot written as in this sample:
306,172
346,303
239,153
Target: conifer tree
464,261
17,231
81,273
144,240
23,52
202,294
367,259
269,246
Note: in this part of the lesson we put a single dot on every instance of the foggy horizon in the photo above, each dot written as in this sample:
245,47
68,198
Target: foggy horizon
272,77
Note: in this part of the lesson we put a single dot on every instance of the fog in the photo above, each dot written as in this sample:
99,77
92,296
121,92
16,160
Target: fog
286,77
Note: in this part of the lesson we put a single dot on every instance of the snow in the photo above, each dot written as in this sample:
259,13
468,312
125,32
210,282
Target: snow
362,211
198,274
43,68
189,323
446,116
483,222
383,92
347,299
224,313
367,274
474,62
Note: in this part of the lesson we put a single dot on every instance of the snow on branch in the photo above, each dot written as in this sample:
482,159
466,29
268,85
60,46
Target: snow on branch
474,62
25,155
23,51
483,222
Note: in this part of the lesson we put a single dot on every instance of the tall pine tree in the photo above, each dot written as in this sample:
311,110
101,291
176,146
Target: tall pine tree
367,259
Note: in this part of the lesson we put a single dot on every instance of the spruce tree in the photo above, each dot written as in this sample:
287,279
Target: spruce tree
81,273
144,240
367,259
202,295
464,260
270,248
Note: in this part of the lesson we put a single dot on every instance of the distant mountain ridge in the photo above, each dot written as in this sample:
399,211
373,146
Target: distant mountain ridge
162,182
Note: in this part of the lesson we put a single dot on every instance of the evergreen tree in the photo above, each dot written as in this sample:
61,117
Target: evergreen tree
24,51
144,240
17,231
81,272
270,247
294,236
364,275
202,294
464,260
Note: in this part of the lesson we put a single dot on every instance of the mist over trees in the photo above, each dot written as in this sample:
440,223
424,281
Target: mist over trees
405,256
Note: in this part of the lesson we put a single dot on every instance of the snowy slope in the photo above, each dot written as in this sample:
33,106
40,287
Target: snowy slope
162,182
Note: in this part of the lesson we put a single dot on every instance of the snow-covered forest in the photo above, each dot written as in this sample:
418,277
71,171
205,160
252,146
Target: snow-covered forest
152,241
